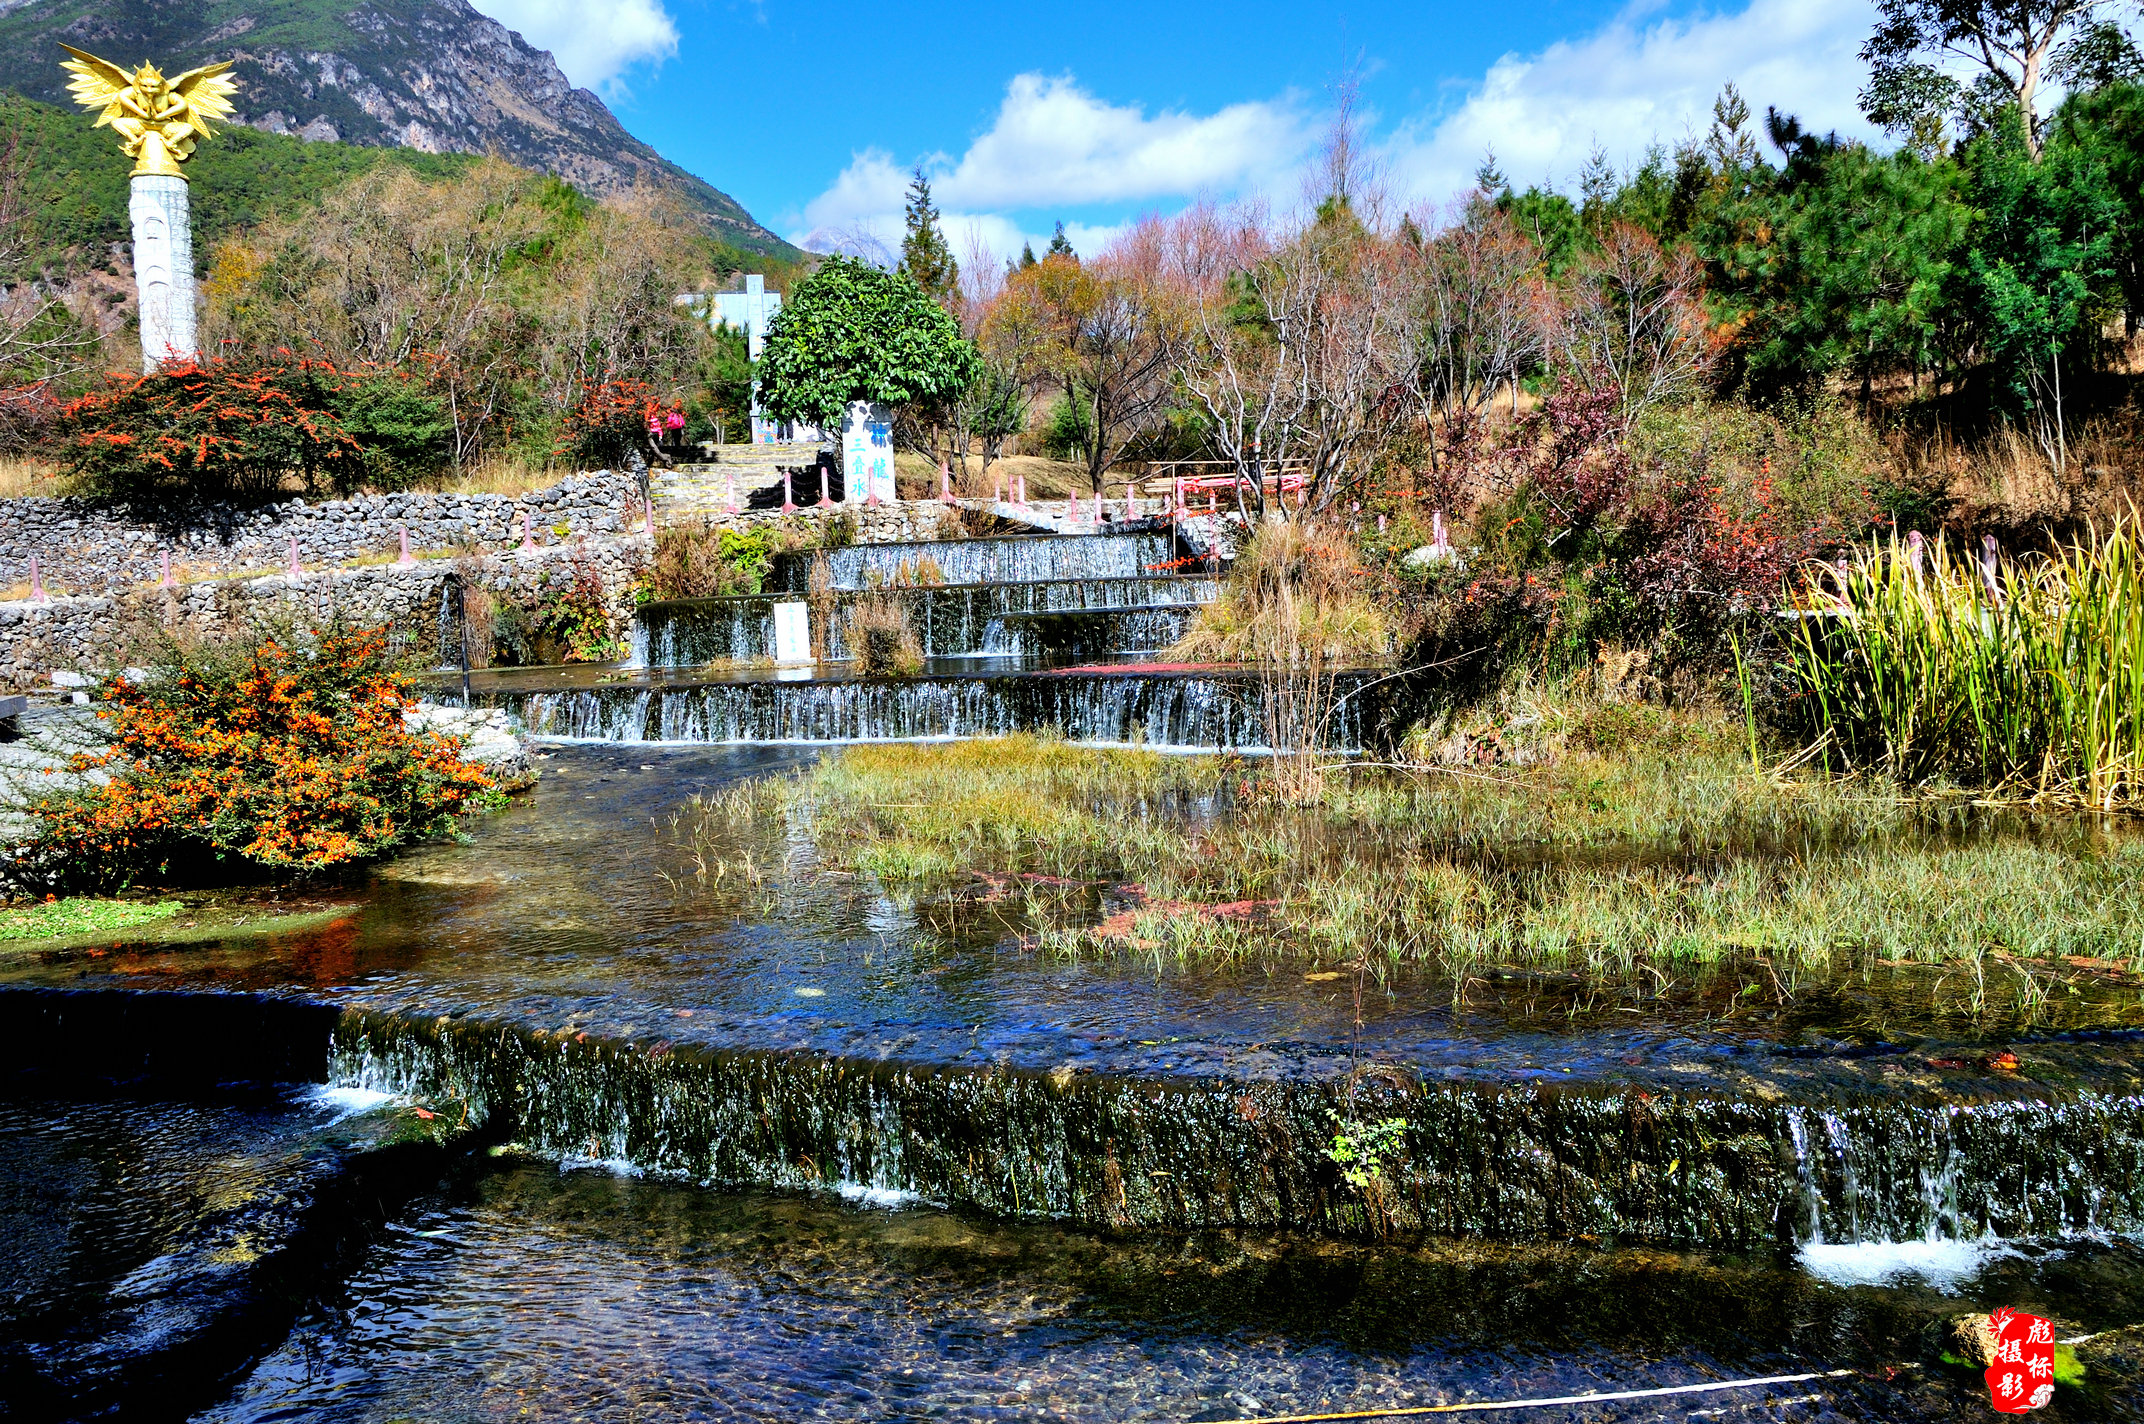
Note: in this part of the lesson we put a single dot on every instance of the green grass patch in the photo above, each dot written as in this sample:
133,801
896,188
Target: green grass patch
80,915
1597,862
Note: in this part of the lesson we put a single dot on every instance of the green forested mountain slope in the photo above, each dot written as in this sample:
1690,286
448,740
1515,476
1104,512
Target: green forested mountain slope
430,75
75,183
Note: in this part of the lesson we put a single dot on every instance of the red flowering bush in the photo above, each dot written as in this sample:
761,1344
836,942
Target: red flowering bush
612,418
222,429
279,753
1577,541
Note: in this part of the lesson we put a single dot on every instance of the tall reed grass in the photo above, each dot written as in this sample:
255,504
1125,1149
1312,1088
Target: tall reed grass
1296,609
2015,677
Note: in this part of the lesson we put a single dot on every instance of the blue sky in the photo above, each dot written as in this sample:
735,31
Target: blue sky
811,113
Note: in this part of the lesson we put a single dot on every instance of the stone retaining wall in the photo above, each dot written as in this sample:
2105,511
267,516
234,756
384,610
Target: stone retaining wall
98,631
83,548
86,548
102,572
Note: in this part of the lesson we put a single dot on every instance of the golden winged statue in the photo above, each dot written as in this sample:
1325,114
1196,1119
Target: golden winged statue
158,120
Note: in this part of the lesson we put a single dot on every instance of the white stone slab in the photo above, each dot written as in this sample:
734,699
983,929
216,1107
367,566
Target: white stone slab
792,632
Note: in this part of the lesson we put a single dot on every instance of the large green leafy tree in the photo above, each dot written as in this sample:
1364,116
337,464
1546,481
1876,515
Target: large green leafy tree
852,332
2014,43
2107,123
2041,275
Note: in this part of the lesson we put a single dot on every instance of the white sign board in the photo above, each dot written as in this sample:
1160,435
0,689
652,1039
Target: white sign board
792,632
867,452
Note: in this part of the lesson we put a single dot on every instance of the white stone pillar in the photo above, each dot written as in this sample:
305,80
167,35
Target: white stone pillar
164,269
866,452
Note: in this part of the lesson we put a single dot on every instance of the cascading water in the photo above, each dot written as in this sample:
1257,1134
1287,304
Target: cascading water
1968,1171
1206,710
1094,617
1506,1162
1011,559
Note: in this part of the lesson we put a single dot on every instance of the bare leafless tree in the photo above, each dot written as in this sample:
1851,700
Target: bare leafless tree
1632,316
1290,346
1477,313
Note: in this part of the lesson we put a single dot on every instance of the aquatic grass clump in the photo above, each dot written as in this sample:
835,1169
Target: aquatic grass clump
1593,865
1010,805
2016,678
1297,606
880,636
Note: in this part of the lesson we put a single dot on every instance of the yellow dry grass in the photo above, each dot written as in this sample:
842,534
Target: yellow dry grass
21,477
499,474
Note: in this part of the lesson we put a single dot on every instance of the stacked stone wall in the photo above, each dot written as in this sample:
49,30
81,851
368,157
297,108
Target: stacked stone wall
102,571
95,632
87,548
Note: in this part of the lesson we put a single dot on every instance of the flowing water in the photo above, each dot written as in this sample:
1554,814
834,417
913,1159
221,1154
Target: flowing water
1034,621
644,1127
1186,709
1021,558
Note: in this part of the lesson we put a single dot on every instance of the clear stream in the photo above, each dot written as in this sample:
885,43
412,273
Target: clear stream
802,1149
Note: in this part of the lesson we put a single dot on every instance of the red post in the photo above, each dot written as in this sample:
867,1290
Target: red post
789,504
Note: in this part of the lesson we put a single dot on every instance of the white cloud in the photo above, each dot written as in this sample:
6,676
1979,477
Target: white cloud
1633,83
1637,80
594,43
1053,147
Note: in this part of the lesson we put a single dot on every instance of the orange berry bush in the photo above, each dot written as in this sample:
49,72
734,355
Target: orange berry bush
280,754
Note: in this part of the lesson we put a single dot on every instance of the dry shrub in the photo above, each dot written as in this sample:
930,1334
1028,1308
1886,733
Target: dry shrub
2005,481
819,599
1298,607
1297,594
21,478
479,611
880,637
699,560
957,521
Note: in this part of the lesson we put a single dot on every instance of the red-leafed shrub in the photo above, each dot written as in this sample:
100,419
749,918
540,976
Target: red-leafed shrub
612,418
1577,536
242,428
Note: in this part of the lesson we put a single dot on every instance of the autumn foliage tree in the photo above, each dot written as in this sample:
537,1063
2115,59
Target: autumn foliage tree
1099,332
506,291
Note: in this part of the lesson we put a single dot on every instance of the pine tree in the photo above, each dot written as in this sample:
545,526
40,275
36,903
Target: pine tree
925,257
1027,255
1060,245
1490,178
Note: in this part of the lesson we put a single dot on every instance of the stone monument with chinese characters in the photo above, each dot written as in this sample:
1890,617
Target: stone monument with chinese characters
159,121
867,452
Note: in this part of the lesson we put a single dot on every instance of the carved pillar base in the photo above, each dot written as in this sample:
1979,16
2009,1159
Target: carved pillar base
164,269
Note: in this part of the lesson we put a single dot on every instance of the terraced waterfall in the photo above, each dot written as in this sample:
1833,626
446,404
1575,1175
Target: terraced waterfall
1019,633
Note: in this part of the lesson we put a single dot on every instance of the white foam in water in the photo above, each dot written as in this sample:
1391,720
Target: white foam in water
888,1198
616,1166
1868,1263
346,1102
